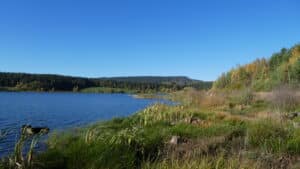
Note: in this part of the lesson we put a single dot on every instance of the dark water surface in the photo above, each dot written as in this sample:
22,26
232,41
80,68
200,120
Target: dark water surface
60,111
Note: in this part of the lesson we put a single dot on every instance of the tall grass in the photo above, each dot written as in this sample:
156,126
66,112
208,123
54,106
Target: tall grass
18,159
194,97
285,99
268,135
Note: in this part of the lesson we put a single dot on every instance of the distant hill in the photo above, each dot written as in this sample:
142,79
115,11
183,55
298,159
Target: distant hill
282,68
48,82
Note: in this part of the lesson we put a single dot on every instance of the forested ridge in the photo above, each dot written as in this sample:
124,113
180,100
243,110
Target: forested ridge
282,68
180,80
48,82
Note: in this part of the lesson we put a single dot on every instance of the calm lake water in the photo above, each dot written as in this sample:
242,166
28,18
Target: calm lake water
60,111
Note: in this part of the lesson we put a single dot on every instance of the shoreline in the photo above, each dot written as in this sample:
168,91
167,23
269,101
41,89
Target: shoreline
202,130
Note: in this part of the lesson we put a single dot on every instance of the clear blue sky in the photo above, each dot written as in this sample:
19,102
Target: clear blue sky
197,38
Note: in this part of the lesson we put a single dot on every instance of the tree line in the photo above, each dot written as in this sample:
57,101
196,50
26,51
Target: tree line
282,68
45,82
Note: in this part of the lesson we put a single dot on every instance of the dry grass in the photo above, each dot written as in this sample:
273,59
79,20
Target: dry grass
208,99
285,99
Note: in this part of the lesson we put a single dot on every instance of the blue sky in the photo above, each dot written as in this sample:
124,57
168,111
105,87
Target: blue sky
196,38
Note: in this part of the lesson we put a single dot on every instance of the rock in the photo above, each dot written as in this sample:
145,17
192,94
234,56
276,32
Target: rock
174,140
173,123
293,115
284,162
193,120
29,130
187,120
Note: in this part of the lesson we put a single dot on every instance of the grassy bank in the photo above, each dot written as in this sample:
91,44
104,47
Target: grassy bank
208,130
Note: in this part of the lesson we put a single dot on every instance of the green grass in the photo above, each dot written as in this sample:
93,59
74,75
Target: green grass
269,135
120,146
293,144
255,107
217,129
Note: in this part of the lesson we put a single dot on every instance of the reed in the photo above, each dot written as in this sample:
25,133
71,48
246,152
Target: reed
20,159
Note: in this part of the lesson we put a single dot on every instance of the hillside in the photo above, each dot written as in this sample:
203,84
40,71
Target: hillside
48,82
282,68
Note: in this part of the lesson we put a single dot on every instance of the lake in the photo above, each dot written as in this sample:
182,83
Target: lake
60,111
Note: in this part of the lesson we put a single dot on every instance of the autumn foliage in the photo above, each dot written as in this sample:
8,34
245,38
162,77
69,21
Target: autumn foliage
264,74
